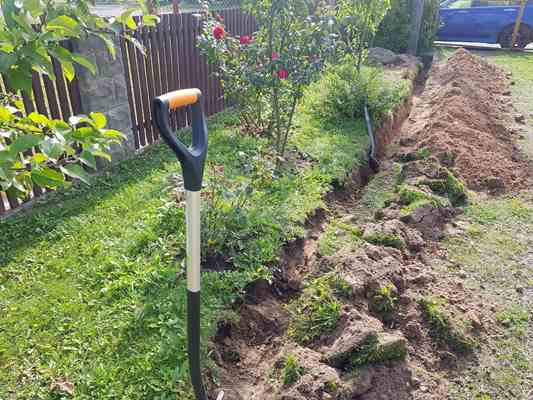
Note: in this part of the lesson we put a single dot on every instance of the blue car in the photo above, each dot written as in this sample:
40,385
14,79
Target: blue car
485,21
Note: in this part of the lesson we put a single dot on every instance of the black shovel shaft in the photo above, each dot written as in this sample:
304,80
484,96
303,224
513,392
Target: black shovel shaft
193,343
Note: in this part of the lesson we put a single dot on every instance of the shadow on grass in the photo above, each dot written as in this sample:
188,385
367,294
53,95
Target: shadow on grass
56,210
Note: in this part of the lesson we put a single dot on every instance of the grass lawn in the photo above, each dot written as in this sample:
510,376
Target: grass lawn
496,256
92,285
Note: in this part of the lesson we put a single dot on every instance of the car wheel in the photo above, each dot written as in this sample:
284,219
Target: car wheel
522,40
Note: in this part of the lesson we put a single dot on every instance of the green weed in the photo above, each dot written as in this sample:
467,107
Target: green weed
339,235
450,187
314,313
291,370
384,300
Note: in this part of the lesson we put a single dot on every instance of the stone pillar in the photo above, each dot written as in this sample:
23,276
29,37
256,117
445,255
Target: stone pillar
106,91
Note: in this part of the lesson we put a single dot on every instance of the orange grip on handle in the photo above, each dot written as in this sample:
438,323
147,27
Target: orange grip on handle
181,98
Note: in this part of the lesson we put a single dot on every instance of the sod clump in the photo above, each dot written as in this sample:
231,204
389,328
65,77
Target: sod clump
448,185
414,198
314,313
385,239
443,329
378,347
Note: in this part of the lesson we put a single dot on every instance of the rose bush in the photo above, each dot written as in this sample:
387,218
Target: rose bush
264,75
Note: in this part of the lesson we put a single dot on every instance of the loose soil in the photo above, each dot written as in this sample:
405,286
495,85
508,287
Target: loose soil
462,118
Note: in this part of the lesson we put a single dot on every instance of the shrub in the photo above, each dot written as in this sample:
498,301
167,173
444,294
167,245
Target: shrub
343,92
265,74
35,150
393,32
358,22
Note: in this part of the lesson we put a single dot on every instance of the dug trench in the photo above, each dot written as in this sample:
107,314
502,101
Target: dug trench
354,309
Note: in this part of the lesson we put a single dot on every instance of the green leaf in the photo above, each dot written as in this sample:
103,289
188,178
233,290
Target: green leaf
39,158
38,118
109,44
85,62
7,48
76,171
24,142
5,114
47,177
34,7
114,134
150,20
68,70
130,23
20,78
6,156
65,25
99,119
87,158
52,148
101,154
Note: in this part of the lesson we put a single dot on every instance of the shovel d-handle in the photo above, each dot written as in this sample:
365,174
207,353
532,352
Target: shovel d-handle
192,159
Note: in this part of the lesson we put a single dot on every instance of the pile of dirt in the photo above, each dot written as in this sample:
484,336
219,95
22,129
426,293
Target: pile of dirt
464,118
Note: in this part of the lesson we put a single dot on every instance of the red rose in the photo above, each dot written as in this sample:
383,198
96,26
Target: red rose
245,39
283,74
275,55
218,32
219,18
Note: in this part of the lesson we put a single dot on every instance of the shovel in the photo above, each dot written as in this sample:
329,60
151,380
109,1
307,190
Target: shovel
192,162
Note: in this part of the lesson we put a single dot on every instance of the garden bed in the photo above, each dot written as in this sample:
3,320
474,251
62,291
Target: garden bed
91,301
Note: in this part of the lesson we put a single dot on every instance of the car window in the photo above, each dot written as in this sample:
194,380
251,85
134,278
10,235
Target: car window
485,3
497,3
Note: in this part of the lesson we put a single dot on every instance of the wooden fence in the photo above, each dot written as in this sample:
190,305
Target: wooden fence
173,62
58,99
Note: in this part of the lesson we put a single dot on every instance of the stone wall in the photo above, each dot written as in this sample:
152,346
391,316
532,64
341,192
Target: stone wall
106,91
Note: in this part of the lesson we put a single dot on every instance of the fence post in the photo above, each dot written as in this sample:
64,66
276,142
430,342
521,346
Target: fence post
417,12
106,91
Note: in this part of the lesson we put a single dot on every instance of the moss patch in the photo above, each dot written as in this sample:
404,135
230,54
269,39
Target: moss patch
443,329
